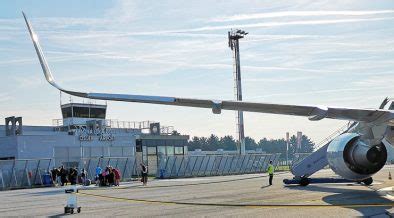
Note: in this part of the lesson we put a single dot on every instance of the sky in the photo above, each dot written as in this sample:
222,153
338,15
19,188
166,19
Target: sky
332,53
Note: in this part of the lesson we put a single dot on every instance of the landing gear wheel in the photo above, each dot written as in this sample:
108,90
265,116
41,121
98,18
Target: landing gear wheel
304,182
79,210
368,181
72,210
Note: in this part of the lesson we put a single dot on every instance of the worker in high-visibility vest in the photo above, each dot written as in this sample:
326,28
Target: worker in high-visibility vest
270,172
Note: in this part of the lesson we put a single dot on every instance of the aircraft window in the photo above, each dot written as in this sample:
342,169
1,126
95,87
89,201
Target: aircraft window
97,113
66,112
82,112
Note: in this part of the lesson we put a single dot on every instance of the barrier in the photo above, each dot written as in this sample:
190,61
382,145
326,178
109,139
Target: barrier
23,173
127,166
28,173
213,165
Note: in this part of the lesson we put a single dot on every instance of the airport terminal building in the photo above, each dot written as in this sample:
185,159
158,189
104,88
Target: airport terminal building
84,132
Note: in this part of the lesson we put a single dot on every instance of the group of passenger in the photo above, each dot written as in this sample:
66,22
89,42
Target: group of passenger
61,176
108,177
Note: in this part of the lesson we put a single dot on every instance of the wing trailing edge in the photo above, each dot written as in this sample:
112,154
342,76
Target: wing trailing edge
312,112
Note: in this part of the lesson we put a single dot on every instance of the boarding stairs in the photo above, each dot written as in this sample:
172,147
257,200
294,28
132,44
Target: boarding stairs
303,168
317,160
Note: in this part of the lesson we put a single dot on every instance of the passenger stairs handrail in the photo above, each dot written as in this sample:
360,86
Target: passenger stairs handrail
345,128
339,131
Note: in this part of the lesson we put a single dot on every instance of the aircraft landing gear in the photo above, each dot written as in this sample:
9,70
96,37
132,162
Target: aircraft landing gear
368,181
304,181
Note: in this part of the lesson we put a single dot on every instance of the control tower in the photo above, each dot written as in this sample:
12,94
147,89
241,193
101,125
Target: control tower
76,114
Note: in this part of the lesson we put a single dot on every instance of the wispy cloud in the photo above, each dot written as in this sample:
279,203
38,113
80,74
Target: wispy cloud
280,79
280,14
5,97
286,23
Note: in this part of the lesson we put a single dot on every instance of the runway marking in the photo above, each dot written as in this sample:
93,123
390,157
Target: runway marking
384,192
224,204
236,205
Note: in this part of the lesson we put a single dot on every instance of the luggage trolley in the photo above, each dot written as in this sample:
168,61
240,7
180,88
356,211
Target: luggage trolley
72,203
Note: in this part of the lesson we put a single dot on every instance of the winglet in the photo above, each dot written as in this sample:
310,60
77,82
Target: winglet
43,62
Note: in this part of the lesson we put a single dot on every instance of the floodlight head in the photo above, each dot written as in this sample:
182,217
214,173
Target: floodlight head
239,31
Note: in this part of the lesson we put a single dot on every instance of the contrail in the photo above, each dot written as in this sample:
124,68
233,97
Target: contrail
241,17
287,23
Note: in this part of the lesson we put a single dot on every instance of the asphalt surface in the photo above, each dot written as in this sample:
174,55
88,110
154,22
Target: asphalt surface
240,195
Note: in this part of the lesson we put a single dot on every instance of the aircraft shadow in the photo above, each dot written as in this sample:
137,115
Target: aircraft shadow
344,196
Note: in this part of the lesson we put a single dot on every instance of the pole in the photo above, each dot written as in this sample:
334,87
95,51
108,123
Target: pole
287,147
241,130
234,37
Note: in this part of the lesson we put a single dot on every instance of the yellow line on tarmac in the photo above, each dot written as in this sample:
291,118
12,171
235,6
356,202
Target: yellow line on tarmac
187,184
237,205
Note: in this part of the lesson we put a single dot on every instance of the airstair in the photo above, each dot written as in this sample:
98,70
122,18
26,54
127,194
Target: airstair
304,168
317,160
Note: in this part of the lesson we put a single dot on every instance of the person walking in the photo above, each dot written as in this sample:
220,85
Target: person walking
144,174
270,172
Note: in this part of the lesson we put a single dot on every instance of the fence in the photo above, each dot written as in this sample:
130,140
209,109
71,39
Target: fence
35,172
23,173
214,165
128,166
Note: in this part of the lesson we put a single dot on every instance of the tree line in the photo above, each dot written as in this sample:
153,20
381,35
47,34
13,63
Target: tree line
228,143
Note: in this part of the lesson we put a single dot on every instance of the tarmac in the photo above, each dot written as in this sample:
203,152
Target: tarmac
237,195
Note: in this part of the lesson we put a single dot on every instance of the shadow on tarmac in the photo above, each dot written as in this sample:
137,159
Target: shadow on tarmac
344,196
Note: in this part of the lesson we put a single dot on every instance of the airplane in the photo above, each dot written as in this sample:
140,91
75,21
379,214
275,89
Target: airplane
355,155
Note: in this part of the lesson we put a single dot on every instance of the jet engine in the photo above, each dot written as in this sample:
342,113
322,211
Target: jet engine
350,157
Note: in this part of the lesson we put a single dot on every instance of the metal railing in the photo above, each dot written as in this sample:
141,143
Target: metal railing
343,129
213,165
128,125
127,166
24,173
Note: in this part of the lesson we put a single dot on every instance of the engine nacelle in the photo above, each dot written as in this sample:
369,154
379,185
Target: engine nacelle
351,158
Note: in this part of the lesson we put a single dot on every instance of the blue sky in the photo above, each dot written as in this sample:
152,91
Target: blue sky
334,53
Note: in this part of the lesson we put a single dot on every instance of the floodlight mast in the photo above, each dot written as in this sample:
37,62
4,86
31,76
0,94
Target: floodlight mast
233,43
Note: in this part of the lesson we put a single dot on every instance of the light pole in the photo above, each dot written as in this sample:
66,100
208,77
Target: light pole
233,43
287,147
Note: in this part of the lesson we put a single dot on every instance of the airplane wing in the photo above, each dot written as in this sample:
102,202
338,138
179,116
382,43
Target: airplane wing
312,112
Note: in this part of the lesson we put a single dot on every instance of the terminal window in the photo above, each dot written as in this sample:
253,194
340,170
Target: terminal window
178,150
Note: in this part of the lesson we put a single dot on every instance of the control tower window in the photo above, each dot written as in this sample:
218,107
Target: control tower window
97,113
66,112
82,112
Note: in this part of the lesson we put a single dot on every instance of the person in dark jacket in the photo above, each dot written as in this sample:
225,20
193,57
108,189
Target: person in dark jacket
144,174
54,174
63,175
73,176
